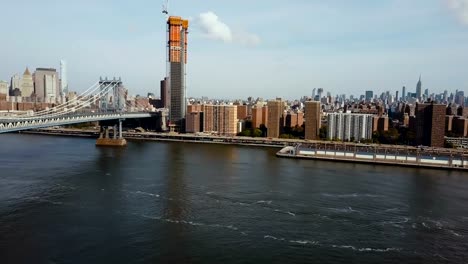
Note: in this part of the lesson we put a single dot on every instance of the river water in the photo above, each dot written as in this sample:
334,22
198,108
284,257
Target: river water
63,200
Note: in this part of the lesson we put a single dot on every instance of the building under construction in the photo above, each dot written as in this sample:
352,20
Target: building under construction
177,29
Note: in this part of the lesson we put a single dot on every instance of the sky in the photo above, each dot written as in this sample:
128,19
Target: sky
241,48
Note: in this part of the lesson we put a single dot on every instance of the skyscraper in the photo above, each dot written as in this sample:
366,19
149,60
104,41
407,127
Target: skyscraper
419,89
312,122
63,78
403,93
369,95
177,59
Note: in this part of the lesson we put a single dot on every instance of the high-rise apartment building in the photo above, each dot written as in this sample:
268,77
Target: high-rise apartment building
349,127
209,116
430,124
312,120
265,115
177,59
256,116
275,112
194,122
241,112
220,119
227,120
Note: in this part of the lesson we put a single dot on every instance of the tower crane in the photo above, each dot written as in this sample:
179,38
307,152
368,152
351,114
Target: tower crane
165,7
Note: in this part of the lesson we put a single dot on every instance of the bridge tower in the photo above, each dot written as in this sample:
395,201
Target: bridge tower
114,100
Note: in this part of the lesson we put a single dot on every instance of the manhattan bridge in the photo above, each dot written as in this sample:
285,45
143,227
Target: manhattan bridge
104,100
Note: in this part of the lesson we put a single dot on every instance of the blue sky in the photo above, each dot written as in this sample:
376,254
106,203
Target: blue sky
275,49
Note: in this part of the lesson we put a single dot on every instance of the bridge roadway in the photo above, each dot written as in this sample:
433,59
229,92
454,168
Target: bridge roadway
14,125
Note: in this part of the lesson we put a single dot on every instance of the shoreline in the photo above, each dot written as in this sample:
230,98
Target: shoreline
258,142
155,138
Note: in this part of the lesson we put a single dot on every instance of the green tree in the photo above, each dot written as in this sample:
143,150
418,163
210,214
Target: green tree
323,132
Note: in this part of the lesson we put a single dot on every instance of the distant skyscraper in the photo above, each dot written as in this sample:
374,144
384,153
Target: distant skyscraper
403,93
177,55
312,122
63,78
15,83
27,84
396,96
369,95
46,85
4,93
460,98
275,112
319,94
419,89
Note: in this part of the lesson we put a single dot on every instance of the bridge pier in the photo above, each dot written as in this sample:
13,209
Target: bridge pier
105,140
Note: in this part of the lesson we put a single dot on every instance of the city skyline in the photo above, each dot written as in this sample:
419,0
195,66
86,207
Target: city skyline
350,48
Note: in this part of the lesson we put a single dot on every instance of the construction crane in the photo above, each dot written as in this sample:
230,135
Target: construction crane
165,6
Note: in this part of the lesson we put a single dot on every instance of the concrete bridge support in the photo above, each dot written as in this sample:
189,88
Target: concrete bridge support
117,139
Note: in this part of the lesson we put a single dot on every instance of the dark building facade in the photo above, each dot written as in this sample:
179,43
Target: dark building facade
312,120
430,124
165,95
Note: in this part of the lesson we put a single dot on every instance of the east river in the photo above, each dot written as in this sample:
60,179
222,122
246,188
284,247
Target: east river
63,200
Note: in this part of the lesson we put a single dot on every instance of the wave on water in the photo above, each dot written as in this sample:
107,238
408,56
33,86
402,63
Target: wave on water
43,200
344,210
404,221
392,210
285,212
454,233
365,249
316,243
351,195
146,193
264,202
273,237
168,220
304,242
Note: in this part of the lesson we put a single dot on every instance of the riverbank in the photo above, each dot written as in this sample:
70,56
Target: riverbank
168,137
322,150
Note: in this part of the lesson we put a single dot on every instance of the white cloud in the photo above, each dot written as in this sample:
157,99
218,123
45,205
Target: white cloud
460,7
213,28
